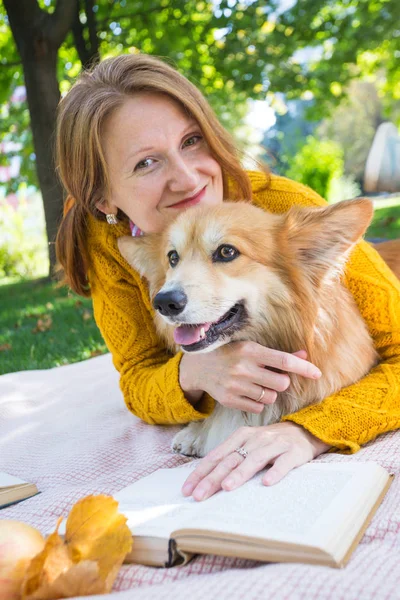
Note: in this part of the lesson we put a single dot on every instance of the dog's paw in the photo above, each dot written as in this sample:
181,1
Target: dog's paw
186,443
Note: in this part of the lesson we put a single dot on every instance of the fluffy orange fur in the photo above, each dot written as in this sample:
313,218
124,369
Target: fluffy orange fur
288,273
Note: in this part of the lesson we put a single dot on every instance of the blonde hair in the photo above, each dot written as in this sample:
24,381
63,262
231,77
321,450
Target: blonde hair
80,159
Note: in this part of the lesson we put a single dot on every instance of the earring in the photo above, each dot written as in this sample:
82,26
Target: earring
111,219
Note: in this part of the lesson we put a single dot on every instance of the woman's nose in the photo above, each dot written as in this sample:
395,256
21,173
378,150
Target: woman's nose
183,176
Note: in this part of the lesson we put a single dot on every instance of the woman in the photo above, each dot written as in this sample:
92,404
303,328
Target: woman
137,143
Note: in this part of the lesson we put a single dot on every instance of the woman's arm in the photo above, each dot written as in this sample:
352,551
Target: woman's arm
370,407
123,312
360,412
345,420
149,375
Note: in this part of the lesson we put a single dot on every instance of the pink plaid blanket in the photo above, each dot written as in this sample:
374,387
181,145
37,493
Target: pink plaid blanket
67,430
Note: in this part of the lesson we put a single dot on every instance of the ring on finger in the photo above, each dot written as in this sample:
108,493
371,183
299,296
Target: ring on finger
242,452
261,395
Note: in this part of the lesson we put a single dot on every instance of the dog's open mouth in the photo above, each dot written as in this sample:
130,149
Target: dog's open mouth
198,336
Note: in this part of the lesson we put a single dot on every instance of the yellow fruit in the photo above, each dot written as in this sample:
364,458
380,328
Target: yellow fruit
19,543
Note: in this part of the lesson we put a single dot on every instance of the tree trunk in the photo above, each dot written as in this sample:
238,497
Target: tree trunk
43,96
38,36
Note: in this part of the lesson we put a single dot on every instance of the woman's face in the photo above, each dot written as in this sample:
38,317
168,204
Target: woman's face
159,164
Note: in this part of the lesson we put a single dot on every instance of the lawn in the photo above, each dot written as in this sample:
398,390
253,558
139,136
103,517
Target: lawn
42,325
386,223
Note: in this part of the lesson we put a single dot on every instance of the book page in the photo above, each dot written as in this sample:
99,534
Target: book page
287,511
7,480
292,510
155,505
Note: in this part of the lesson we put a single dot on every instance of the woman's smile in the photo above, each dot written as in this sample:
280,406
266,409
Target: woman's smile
192,201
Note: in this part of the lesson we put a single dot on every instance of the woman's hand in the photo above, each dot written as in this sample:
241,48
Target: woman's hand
283,445
237,375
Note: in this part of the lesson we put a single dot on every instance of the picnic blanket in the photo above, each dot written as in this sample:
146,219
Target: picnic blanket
67,429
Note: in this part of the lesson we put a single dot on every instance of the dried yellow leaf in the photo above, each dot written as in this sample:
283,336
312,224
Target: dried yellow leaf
87,560
46,566
104,537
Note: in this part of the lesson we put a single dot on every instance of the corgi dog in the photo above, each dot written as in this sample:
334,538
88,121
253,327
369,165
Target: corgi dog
235,272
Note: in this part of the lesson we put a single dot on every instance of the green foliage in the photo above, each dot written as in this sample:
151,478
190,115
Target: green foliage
317,164
285,139
232,51
386,221
221,48
352,125
23,252
342,188
353,39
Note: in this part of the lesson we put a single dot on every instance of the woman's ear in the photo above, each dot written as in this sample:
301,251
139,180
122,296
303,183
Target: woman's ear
106,207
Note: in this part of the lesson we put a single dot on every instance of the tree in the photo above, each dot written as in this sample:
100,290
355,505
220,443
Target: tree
352,39
54,37
38,36
233,50
352,125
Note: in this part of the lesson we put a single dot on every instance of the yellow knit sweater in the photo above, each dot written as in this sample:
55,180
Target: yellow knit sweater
150,376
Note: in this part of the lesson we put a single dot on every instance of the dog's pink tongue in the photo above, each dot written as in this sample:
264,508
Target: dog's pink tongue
185,335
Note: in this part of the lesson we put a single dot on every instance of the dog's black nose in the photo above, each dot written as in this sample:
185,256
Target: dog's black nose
170,303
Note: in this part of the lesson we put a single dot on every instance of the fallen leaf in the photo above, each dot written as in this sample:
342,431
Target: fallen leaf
104,537
78,303
95,353
43,324
5,347
89,557
46,566
82,579
86,315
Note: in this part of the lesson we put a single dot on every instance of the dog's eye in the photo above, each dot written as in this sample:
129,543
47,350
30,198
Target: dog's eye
173,258
225,253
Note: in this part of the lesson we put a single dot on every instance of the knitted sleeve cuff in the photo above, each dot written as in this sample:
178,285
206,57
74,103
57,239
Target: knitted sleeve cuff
155,395
179,408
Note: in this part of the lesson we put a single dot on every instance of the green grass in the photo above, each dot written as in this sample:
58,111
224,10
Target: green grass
386,222
69,331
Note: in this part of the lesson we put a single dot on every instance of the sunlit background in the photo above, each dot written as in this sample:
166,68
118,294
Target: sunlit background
302,85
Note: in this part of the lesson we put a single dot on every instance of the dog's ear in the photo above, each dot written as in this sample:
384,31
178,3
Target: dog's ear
142,253
321,238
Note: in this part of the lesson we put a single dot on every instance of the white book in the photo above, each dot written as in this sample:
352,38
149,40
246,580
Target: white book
13,489
317,514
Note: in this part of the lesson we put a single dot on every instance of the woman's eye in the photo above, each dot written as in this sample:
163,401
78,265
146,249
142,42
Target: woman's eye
225,253
144,164
173,258
193,140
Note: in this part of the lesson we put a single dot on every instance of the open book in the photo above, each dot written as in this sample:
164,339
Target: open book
317,514
13,489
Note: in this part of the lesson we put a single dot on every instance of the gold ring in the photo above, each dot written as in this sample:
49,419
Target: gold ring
261,395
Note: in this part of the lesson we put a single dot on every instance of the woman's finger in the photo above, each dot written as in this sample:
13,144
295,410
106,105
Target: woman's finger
281,467
301,354
267,379
261,394
212,482
246,404
256,460
286,362
213,458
